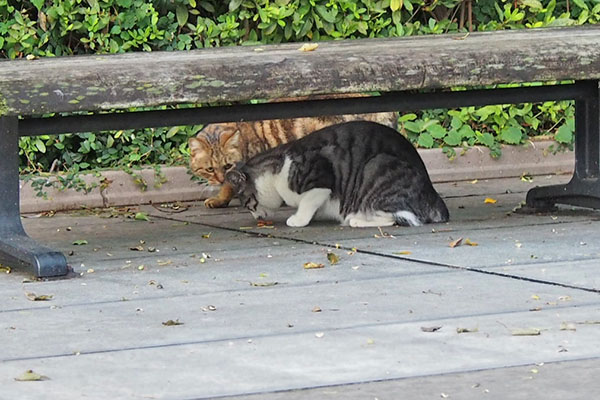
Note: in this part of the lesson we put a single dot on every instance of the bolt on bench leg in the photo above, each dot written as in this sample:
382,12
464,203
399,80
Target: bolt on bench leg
584,188
16,248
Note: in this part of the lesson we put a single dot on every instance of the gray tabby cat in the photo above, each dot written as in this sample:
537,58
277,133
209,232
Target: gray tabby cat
358,173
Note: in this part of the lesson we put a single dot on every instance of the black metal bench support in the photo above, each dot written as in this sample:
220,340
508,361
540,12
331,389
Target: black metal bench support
16,248
584,188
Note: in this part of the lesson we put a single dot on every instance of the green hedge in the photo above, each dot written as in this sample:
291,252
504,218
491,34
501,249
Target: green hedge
64,27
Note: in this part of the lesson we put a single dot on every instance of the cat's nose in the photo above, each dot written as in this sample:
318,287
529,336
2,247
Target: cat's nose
220,177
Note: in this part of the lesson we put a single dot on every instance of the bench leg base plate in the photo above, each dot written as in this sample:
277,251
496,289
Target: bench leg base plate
575,193
18,250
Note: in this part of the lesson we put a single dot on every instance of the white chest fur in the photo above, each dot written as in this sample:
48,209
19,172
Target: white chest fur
282,186
273,189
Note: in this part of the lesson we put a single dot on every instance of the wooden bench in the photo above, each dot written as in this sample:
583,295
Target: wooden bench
96,93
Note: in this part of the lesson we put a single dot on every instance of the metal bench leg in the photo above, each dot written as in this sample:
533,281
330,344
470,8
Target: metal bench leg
16,248
584,188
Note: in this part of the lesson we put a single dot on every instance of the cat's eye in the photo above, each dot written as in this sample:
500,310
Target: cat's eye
228,166
210,169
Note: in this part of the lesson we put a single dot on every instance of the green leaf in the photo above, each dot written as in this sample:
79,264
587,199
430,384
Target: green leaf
453,138
484,112
533,4
437,131
425,140
486,139
40,146
38,3
141,216
407,117
511,134
456,122
564,134
235,4
581,4
182,14
172,132
414,126
80,242
395,4
328,15
466,131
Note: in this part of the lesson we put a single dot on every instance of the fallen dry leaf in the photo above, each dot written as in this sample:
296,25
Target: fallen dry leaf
137,248
80,242
403,253
467,330
587,322
42,297
264,224
383,234
206,235
332,258
5,268
526,178
455,243
172,322
313,265
468,242
430,328
30,376
489,200
162,263
525,332
263,284
568,326
319,335
316,309
309,47
461,37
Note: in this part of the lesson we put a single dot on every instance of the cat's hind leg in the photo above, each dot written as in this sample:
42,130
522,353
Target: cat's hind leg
407,218
362,220
309,203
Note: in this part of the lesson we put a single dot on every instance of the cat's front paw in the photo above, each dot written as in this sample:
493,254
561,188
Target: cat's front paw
296,221
215,202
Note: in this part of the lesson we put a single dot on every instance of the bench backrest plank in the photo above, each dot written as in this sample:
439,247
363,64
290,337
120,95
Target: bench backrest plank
106,82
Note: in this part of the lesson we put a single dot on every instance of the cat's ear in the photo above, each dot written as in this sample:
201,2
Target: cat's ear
197,145
237,179
231,139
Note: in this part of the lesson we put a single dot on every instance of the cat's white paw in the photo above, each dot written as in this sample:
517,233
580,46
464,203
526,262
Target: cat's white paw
356,222
296,221
261,213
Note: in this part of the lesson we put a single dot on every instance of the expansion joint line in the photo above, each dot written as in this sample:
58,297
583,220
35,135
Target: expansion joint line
393,257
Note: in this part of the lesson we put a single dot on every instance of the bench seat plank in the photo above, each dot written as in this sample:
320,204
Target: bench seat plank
106,82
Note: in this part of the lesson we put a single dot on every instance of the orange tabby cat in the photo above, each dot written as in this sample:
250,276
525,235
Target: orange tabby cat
218,147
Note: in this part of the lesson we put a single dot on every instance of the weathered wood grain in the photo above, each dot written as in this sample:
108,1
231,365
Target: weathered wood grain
105,82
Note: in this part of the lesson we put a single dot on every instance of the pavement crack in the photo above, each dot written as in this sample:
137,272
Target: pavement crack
398,257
